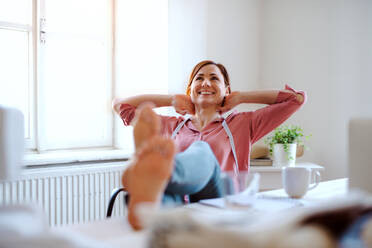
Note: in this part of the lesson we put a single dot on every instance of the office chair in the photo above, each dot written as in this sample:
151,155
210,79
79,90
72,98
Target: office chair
114,193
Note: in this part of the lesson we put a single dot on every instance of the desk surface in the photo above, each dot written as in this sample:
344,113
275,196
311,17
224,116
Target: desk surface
271,177
116,231
279,169
324,191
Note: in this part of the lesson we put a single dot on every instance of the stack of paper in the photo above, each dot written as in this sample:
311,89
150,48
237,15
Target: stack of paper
261,162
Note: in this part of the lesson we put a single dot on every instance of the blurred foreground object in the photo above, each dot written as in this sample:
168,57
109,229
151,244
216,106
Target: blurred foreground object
330,224
24,225
360,154
11,142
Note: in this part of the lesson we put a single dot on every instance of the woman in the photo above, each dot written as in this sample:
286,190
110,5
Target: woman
229,140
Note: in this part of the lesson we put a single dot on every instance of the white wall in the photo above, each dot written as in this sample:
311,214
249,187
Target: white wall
224,31
320,46
187,39
233,40
141,62
324,48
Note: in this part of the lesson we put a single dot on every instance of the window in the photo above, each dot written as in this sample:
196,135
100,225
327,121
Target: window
75,86
16,61
62,62
56,68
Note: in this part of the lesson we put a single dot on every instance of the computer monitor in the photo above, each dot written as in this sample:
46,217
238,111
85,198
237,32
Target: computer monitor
11,142
360,154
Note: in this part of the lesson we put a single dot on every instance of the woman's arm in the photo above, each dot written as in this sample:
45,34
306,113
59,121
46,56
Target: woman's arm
264,120
135,101
257,97
181,103
265,96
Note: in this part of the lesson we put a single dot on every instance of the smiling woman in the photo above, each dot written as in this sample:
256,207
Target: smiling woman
205,141
208,86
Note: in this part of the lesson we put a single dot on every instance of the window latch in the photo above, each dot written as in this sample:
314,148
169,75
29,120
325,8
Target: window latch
42,30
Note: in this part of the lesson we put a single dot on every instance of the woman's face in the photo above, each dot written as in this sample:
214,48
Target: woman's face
208,87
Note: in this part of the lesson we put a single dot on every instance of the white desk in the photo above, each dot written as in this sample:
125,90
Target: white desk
324,191
271,177
116,231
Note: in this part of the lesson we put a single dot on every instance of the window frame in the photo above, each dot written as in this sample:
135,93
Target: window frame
30,29
35,153
37,157
42,146
39,15
121,143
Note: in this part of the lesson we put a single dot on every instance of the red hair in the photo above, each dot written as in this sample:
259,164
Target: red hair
200,65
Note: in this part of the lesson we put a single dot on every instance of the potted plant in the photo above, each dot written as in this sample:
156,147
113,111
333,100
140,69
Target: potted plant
283,144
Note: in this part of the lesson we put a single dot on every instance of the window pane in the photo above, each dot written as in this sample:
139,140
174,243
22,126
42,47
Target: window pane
16,11
77,17
14,76
76,90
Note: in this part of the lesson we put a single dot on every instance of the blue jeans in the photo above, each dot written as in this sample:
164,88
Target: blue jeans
352,237
196,174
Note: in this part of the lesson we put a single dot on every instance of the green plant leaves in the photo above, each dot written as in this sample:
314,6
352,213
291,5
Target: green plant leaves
286,135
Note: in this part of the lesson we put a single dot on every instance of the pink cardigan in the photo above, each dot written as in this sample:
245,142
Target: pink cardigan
246,128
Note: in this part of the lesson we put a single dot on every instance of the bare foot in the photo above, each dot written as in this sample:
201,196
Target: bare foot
146,125
149,175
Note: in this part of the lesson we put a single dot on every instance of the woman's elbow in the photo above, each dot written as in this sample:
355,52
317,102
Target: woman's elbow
300,98
115,104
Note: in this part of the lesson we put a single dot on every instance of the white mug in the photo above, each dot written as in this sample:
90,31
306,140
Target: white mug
296,180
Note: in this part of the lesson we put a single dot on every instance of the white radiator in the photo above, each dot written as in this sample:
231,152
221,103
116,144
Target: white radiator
67,195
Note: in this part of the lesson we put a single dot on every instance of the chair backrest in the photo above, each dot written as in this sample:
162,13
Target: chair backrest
360,154
11,142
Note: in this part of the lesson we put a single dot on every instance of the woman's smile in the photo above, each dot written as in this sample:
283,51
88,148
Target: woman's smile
206,93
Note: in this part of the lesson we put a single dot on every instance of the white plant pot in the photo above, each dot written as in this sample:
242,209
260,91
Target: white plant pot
280,157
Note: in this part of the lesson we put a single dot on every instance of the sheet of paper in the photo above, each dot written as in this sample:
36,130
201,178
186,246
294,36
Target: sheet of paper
257,203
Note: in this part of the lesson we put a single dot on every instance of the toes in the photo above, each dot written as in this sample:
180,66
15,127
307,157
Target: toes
146,114
146,125
162,146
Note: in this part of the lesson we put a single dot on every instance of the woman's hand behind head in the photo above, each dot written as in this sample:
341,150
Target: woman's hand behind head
183,104
231,100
